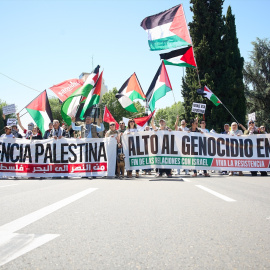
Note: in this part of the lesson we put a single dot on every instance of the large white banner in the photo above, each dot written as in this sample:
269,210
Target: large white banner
210,151
54,158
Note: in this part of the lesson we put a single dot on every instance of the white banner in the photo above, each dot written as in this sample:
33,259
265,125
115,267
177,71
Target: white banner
184,150
9,109
198,108
52,158
252,117
11,121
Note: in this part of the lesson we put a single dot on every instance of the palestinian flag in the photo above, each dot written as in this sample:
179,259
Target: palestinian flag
71,104
40,111
93,97
181,57
159,87
206,92
130,91
167,29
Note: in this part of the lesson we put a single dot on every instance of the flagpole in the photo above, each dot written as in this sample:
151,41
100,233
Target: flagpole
230,113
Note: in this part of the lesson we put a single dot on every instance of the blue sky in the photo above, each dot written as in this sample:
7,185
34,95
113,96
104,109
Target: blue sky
46,42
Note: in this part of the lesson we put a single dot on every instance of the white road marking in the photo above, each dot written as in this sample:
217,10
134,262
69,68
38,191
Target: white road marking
223,197
13,245
9,185
22,222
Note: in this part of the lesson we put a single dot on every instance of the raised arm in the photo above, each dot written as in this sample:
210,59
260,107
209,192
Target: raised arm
152,123
19,122
176,123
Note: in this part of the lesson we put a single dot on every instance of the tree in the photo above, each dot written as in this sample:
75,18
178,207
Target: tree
208,29
2,104
257,79
56,108
116,109
169,114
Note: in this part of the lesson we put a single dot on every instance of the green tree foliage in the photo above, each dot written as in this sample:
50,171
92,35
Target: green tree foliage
209,29
56,108
257,78
116,109
2,104
169,114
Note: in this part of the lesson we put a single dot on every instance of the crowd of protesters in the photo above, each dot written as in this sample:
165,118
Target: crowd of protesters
92,130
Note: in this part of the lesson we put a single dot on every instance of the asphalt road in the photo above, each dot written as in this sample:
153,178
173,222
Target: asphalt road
219,222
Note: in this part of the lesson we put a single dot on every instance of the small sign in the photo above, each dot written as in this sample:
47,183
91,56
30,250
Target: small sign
11,121
198,108
252,117
9,109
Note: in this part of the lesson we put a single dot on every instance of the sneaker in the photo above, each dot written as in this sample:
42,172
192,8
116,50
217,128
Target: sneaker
231,174
200,172
224,173
157,175
241,174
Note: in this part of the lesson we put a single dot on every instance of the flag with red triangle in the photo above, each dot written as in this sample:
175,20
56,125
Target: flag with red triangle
159,87
182,57
107,117
143,121
130,91
93,97
167,29
40,111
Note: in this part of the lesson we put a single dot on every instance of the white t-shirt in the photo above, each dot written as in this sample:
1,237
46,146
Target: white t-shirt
128,130
183,129
7,136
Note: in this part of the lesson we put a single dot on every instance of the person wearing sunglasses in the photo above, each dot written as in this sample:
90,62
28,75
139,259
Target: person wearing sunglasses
252,129
132,127
262,129
122,127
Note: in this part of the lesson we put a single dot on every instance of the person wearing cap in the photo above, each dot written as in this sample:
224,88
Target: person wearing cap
162,126
8,133
88,130
14,128
226,129
27,132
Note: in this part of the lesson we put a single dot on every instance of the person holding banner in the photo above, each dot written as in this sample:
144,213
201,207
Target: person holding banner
194,128
252,129
88,130
235,132
262,128
183,126
8,133
48,131
36,134
132,127
57,132
162,126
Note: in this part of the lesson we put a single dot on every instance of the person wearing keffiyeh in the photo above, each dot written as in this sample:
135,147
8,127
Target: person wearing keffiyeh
57,132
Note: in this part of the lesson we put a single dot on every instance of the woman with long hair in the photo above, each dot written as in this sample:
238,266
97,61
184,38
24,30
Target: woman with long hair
132,127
